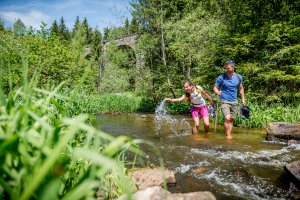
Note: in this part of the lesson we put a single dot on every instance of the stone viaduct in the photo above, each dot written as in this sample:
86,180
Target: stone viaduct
130,41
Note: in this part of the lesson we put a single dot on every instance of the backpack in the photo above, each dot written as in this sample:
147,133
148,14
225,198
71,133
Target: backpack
223,78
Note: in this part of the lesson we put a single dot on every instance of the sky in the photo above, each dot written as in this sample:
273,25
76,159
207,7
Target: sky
99,13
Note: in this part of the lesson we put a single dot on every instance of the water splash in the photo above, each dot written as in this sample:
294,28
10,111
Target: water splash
163,120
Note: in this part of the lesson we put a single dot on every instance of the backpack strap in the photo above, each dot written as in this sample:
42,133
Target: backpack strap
222,83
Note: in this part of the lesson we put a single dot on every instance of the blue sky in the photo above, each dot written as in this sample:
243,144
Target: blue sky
100,13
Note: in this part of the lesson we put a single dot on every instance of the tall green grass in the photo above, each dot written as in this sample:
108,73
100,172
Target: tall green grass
103,103
47,151
261,115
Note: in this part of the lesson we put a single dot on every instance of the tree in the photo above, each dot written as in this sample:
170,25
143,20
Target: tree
127,26
2,28
96,43
106,33
88,31
151,14
76,25
134,27
19,27
54,29
79,38
63,30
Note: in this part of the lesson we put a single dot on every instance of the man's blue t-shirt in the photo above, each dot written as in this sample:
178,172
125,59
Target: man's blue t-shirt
230,86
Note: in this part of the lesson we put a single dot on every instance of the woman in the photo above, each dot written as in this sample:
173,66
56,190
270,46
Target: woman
193,94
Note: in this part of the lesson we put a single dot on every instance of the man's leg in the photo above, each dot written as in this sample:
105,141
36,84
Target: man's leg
228,124
228,121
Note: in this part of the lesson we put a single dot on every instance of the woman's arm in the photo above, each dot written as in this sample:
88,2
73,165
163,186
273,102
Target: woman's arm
208,97
175,100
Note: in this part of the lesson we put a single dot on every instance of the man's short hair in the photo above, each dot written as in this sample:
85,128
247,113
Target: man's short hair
230,62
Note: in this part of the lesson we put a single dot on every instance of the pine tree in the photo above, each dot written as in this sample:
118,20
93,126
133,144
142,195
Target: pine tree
96,43
63,30
54,29
76,25
106,33
79,38
2,25
127,26
19,27
88,30
134,26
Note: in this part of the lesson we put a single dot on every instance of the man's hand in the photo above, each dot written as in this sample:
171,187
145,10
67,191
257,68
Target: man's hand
219,92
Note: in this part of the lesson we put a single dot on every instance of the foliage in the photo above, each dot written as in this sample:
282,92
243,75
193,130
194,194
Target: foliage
49,58
45,153
262,37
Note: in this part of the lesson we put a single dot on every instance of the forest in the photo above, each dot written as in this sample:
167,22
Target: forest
54,79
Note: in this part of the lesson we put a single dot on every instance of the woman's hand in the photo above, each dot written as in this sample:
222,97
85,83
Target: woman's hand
168,100
212,103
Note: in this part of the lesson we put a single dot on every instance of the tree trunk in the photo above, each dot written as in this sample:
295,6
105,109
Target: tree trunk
188,72
163,49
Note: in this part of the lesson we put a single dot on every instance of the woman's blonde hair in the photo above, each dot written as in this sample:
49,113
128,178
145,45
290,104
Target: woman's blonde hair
188,95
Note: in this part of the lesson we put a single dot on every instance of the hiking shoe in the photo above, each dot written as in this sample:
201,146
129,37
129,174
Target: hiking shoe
212,111
245,112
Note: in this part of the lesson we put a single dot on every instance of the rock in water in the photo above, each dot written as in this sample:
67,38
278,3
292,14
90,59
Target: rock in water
144,178
158,193
283,131
293,170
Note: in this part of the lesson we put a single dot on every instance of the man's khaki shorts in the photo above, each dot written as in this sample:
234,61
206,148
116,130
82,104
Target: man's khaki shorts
229,108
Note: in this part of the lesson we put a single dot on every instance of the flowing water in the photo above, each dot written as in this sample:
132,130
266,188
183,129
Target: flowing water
247,167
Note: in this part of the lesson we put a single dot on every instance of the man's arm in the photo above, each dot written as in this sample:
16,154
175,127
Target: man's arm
242,94
217,90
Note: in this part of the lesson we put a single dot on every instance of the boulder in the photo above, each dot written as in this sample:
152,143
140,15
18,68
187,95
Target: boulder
283,131
158,193
293,171
87,52
148,177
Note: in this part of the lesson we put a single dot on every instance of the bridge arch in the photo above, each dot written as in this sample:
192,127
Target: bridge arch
129,41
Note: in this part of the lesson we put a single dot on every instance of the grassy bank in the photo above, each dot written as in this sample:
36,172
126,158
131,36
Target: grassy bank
107,103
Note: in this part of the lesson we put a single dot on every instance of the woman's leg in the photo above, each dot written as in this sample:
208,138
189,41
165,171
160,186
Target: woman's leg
206,123
196,125
195,116
205,117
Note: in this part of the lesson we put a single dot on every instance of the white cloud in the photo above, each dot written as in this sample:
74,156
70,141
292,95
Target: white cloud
33,18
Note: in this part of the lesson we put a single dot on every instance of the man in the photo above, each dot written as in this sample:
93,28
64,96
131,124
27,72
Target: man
226,87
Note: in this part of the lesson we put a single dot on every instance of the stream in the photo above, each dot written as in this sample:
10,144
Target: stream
246,167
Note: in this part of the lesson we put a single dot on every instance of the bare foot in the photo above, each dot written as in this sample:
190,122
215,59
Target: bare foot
228,137
195,131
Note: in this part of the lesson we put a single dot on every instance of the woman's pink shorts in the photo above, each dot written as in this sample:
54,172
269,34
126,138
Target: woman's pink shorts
202,110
